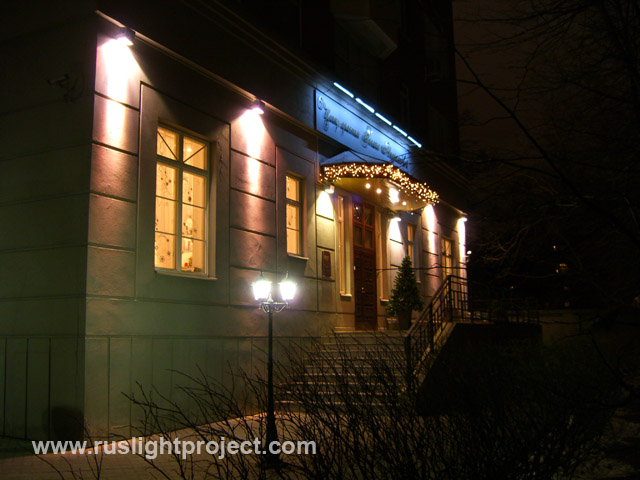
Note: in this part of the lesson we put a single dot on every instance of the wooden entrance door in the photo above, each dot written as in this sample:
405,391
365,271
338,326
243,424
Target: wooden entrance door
364,262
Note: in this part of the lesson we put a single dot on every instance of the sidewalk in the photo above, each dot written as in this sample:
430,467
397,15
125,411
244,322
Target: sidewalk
18,460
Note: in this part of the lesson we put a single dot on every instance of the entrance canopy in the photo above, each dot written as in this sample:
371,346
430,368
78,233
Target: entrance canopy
377,181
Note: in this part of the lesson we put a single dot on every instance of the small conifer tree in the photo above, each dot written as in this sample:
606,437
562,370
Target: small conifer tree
405,296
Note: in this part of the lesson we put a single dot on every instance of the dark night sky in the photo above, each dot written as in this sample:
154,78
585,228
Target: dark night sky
480,123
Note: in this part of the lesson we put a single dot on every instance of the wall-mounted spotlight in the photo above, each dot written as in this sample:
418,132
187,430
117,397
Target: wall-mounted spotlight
258,107
396,217
329,188
125,36
394,195
463,219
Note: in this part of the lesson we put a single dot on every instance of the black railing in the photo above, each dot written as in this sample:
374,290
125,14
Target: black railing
504,310
449,303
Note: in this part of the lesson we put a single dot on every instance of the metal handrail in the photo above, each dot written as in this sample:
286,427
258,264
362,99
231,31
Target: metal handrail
451,303
450,298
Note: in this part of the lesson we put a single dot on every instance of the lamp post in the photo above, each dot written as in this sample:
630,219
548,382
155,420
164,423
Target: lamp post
262,294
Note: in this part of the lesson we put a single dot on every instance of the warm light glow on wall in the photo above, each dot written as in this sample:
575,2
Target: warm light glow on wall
431,222
324,205
462,240
431,228
394,196
254,132
394,230
121,67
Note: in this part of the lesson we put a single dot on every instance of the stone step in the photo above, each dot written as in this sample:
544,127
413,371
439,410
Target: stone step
356,359
342,375
337,369
383,338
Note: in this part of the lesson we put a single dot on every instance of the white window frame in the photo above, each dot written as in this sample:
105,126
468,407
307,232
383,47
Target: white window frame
181,168
445,268
411,242
299,204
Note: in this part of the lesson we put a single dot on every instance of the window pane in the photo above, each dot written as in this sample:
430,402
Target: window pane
446,247
193,222
293,220
341,259
293,189
192,255
368,216
357,235
368,238
167,143
165,248
193,189
166,183
194,153
293,241
357,212
165,215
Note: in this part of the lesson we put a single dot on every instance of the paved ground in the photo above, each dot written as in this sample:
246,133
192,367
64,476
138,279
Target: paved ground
18,461
620,459
25,465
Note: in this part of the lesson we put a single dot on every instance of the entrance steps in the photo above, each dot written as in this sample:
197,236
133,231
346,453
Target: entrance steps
344,369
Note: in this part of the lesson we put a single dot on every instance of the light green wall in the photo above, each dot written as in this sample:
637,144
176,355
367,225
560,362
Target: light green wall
141,324
44,204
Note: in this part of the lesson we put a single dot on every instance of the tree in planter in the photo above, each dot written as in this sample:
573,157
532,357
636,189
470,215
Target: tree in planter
405,296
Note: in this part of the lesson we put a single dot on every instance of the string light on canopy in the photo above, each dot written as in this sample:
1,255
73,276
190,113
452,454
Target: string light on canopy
407,184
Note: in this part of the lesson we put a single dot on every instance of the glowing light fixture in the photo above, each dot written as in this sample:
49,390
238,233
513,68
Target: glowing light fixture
287,289
371,109
258,107
401,180
398,129
262,293
396,217
344,90
463,219
388,122
125,36
394,196
329,188
261,288
378,191
414,141
404,203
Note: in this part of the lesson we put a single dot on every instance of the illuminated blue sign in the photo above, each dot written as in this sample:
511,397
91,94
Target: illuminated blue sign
346,127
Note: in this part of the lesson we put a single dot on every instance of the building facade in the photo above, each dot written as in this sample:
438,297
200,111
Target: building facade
142,193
